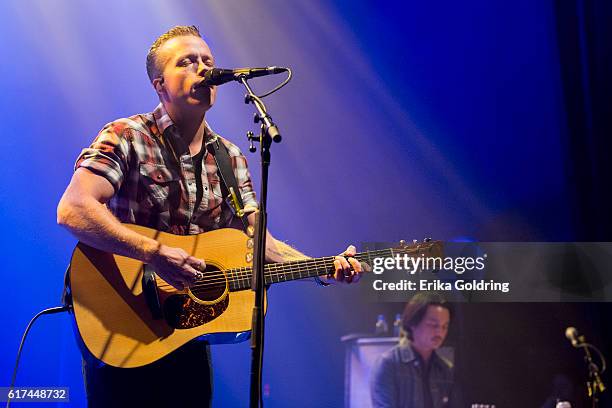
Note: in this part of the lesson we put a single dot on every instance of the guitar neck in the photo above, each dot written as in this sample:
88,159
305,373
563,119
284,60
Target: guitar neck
240,278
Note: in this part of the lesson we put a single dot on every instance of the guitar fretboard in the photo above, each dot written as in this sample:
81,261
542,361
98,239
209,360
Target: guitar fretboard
240,278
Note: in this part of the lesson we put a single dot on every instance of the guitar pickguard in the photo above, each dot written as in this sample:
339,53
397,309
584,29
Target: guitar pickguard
182,312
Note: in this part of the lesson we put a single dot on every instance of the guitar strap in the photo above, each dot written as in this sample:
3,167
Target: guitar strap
229,186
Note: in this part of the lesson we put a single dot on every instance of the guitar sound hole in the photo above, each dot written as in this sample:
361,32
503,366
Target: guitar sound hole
182,312
211,286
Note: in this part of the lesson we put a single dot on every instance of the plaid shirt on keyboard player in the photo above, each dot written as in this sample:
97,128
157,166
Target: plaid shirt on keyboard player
153,174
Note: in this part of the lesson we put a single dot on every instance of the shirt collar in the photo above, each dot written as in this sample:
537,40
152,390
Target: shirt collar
407,354
162,119
164,122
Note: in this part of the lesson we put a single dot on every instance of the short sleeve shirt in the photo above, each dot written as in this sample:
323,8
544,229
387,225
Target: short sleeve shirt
153,174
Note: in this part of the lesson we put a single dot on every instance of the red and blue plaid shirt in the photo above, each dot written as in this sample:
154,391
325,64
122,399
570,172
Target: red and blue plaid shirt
153,174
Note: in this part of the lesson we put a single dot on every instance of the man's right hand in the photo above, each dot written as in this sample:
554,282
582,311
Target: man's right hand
176,266
83,211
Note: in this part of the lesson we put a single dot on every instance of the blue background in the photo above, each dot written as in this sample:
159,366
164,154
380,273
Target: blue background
404,120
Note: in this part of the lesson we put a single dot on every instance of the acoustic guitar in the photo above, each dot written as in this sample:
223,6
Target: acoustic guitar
127,316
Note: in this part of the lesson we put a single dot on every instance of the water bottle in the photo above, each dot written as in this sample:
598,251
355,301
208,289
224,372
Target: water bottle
397,325
382,328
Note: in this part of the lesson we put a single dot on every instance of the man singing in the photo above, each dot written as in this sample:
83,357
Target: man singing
155,170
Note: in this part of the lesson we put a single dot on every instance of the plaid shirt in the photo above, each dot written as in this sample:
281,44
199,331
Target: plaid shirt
152,172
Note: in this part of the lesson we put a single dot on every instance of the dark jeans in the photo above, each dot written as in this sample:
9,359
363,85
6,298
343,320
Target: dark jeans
181,379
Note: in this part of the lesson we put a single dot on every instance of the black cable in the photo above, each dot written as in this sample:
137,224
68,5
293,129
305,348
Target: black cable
285,82
51,310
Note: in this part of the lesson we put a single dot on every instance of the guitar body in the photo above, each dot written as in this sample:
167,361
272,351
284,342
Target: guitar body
117,324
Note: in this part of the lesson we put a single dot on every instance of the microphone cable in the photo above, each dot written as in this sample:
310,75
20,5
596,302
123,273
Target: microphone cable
285,82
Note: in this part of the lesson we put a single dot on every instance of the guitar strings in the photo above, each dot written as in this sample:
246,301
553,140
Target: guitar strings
240,275
237,277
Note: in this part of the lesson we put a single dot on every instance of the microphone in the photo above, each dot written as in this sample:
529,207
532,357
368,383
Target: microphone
219,76
572,335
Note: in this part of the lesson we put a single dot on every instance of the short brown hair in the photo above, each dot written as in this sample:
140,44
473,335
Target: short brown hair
153,68
416,308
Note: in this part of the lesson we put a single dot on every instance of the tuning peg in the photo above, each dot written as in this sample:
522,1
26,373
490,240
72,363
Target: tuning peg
402,243
415,241
427,240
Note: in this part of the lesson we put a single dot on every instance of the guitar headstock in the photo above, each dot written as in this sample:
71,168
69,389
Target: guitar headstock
426,248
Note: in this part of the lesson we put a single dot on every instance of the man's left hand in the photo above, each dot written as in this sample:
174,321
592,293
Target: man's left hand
347,268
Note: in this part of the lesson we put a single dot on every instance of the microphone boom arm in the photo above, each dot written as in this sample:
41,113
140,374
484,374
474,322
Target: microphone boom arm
268,127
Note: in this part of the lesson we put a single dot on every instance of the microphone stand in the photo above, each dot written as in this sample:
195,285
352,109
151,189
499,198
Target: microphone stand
594,384
269,133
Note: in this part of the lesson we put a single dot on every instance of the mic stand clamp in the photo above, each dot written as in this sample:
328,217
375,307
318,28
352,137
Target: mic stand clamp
268,133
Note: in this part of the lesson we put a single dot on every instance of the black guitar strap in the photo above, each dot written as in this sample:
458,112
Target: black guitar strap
229,186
